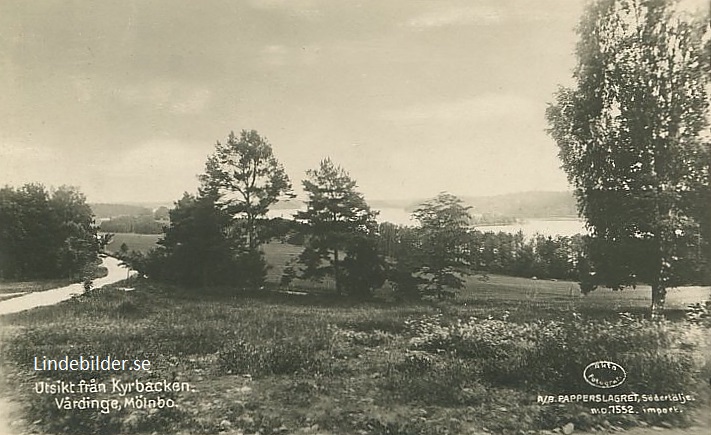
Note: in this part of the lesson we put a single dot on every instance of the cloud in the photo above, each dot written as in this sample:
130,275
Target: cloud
475,15
280,55
164,156
17,150
165,168
22,161
305,9
275,55
693,6
170,96
478,109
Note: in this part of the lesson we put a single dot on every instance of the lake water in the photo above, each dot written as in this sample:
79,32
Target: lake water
546,227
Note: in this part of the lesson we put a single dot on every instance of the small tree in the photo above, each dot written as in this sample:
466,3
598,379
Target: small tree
401,247
247,179
162,213
195,250
444,228
633,139
340,224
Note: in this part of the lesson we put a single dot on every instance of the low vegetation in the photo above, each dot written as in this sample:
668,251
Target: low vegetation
275,363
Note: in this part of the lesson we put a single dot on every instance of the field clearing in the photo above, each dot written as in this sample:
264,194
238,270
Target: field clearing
278,255
514,291
566,294
135,242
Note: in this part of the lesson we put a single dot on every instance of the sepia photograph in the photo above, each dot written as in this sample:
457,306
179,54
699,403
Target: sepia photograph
386,217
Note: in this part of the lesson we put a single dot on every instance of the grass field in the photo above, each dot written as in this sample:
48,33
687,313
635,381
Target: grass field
275,363
278,255
505,290
135,242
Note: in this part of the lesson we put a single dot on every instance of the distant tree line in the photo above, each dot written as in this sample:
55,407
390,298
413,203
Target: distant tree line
493,219
143,224
540,256
105,211
45,234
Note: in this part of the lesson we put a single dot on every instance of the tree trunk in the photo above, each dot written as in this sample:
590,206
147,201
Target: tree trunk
659,295
250,232
336,271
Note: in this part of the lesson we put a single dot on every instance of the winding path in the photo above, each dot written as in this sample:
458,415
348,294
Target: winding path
8,410
116,273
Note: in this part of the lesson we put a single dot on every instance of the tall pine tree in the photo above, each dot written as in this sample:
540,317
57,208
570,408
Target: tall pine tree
341,229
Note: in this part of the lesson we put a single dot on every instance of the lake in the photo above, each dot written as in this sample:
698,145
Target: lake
529,227
546,227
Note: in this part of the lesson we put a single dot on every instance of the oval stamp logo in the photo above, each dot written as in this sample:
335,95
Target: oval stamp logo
604,374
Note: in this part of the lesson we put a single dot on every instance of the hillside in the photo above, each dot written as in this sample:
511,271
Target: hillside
526,204
515,205
105,211
519,205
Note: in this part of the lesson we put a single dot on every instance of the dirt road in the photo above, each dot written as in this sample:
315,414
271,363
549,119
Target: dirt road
9,414
116,273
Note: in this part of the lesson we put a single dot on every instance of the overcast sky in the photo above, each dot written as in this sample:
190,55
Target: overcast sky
126,99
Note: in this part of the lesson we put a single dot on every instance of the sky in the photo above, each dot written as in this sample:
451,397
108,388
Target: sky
126,99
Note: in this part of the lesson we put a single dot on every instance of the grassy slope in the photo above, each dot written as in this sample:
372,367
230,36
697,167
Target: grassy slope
313,363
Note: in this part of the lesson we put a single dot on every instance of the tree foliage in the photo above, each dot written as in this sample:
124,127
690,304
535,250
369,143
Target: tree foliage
544,257
162,213
45,234
633,139
400,245
341,229
196,249
247,179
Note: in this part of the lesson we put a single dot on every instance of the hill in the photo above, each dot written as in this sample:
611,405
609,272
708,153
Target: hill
105,211
517,205
538,205
526,204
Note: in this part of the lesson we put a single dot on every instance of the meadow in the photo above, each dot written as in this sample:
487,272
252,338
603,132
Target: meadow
135,242
276,363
